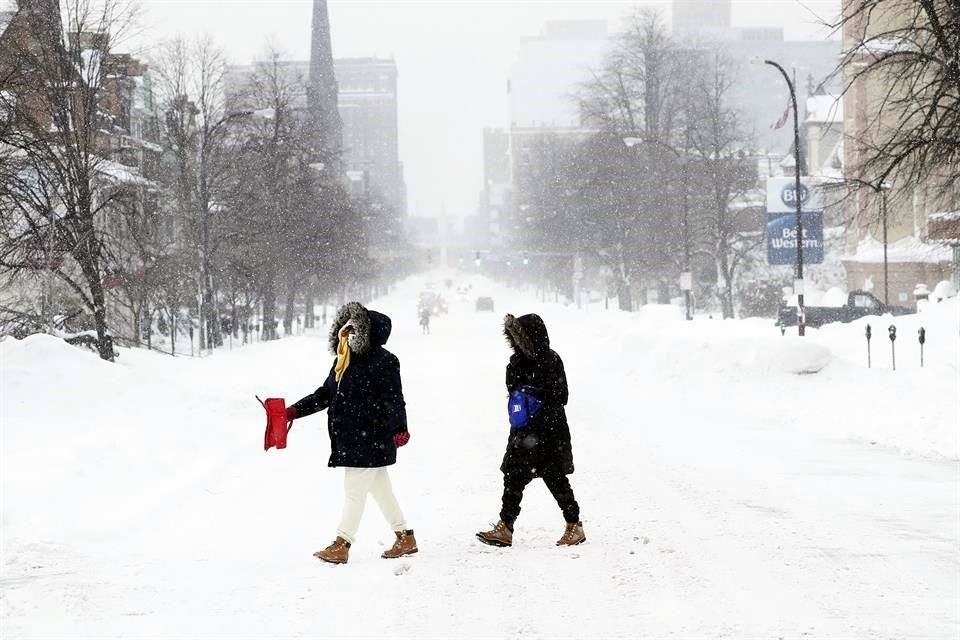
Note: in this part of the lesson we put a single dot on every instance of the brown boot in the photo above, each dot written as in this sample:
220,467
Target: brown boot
572,535
500,536
404,545
337,553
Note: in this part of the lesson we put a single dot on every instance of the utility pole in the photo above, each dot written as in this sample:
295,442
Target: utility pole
798,287
886,275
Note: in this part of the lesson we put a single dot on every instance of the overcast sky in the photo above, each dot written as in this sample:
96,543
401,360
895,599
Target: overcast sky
453,58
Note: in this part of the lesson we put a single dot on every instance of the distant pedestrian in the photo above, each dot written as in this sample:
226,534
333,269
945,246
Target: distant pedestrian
425,320
539,443
367,422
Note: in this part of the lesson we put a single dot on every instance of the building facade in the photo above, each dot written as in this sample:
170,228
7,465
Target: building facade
895,212
119,169
371,133
546,80
369,153
693,18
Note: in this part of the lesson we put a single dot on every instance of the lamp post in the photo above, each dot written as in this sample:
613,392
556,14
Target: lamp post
881,188
884,187
685,222
798,287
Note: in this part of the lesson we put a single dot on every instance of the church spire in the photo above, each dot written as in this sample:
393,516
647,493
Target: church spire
322,96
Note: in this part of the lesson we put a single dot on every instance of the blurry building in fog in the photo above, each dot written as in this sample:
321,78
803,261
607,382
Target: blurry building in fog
544,87
759,92
497,194
371,151
550,71
693,18
350,106
367,106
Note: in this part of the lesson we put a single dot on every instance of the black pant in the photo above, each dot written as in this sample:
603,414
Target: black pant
558,484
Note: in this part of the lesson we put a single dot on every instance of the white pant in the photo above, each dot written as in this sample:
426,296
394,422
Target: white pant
357,483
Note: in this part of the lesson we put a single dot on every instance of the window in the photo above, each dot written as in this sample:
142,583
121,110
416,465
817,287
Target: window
862,301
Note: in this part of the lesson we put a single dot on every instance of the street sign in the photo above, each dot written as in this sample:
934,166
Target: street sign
686,281
782,195
781,231
782,238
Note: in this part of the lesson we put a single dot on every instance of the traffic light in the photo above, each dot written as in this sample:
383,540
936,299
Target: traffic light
526,260
477,260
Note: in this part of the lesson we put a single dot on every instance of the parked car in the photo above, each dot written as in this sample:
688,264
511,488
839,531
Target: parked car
859,304
484,303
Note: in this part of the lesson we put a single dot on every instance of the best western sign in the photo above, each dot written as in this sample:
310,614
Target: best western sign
782,221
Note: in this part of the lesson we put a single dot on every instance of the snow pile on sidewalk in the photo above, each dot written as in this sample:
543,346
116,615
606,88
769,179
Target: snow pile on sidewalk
821,378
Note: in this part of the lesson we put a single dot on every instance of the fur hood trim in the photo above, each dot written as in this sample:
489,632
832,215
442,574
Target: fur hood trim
527,335
355,314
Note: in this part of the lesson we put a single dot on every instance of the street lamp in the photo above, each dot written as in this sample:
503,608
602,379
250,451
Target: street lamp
798,287
686,282
881,188
884,188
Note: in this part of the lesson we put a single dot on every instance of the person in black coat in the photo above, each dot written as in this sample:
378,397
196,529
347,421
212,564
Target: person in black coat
541,448
366,421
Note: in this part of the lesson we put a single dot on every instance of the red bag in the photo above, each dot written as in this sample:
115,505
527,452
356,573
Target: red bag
276,434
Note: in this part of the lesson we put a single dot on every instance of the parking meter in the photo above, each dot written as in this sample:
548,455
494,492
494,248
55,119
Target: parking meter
922,338
892,332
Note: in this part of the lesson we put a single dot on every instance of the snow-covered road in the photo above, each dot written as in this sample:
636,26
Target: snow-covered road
137,501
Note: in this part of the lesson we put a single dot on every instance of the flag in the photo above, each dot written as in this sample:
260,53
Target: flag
783,118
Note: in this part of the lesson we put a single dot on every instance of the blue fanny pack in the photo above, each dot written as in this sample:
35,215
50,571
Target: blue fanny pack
522,406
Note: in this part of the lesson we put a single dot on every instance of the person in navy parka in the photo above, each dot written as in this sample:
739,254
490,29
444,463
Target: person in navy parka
541,449
366,421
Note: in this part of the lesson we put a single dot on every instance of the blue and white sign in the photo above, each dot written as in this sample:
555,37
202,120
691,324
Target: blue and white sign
782,238
781,231
782,195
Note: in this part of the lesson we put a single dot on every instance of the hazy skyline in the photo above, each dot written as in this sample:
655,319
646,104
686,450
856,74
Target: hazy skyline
453,58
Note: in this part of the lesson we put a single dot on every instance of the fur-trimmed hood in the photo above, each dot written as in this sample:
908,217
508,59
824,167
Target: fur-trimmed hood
527,335
372,327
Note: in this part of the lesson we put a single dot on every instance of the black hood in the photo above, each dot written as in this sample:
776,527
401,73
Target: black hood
372,327
527,335
380,328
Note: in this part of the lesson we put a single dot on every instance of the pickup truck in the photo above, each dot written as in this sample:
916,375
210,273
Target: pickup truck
859,304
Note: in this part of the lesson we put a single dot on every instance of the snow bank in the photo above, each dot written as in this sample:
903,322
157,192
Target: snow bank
39,348
659,315
909,249
834,297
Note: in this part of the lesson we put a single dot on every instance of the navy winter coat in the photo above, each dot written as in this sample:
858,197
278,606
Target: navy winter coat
366,408
543,447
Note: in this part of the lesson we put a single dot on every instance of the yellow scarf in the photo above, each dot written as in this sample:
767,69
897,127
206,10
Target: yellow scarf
343,356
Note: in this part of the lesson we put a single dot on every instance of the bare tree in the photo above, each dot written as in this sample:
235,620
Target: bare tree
903,56
635,98
724,170
260,193
634,92
197,136
53,198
